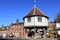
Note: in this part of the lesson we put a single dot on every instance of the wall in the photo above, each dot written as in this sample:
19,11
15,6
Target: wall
17,30
57,25
34,22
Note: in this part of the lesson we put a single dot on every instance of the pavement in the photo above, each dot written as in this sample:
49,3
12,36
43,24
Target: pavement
28,39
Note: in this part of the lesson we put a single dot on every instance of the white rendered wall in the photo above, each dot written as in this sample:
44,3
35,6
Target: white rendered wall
57,25
26,23
59,32
43,23
34,21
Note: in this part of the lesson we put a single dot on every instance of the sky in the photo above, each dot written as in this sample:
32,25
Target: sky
10,10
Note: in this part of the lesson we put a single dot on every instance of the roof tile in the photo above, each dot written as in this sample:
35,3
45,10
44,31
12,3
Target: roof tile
35,12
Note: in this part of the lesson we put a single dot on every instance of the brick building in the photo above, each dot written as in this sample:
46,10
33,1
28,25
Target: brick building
4,31
14,30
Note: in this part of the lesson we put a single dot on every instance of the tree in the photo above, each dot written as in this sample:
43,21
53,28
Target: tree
57,18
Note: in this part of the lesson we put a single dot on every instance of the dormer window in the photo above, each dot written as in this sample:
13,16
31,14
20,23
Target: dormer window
29,19
39,19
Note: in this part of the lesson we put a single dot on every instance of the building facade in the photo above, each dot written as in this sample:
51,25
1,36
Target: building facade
35,25
35,21
14,30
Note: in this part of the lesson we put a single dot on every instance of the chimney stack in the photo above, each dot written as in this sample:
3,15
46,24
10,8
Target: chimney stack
17,21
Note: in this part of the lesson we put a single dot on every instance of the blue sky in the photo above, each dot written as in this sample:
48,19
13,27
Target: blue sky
10,10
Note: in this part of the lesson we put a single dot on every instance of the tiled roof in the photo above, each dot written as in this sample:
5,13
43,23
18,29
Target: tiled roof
35,12
21,23
4,28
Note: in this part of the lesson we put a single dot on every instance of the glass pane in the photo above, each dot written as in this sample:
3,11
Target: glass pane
29,19
39,19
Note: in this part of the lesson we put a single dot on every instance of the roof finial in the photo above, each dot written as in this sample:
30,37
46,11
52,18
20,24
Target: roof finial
34,3
34,7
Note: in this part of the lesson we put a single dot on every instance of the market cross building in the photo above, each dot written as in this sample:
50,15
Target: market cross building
36,21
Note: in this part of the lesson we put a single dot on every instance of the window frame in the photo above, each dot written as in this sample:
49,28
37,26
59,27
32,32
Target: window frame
39,19
29,19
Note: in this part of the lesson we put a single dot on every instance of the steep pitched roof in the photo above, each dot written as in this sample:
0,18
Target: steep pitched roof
35,12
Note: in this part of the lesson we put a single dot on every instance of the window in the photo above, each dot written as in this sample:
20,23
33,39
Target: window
3,28
39,19
7,27
29,19
14,26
